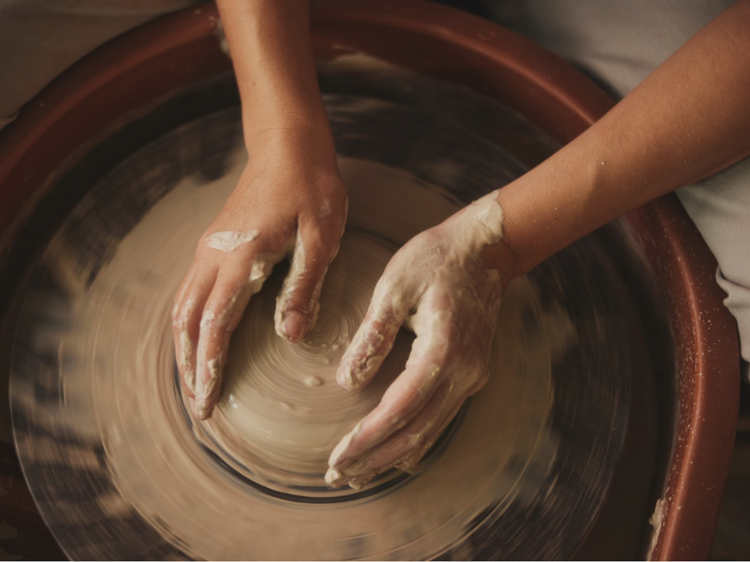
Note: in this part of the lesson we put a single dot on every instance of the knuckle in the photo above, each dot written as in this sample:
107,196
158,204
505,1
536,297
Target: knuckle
398,275
208,319
320,238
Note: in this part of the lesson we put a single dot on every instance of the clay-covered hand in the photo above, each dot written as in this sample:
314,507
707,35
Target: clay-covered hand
288,202
439,286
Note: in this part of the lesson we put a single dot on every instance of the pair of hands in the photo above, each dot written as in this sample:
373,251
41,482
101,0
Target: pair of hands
437,284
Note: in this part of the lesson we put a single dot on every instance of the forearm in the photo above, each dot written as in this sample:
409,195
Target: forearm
272,54
687,120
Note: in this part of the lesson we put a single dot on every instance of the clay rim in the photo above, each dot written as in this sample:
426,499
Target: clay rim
88,101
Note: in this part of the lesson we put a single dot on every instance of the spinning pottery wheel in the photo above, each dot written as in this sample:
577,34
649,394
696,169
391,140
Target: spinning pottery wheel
582,365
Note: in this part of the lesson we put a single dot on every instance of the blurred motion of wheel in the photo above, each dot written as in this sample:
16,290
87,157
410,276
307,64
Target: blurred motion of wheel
565,456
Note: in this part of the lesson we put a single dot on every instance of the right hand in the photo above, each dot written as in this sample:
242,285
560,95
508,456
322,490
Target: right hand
289,199
439,285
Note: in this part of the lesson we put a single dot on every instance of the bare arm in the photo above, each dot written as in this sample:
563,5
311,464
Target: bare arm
289,200
273,60
689,119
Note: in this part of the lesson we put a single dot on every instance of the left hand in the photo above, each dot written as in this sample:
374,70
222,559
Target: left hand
290,200
439,286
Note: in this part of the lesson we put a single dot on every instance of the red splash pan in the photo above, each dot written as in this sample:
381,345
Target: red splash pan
146,65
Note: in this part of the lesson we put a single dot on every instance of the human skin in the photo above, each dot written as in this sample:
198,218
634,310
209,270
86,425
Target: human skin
686,121
290,192
689,119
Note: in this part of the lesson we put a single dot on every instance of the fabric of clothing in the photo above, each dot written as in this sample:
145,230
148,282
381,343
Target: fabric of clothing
615,43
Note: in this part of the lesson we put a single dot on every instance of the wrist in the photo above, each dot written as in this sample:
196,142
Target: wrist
285,117
301,145
478,233
501,258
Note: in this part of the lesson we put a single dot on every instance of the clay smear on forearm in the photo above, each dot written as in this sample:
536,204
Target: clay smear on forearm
478,225
187,348
484,224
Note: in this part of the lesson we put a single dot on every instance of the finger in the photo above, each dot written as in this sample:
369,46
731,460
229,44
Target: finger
181,294
229,297
406,447
437,344
186,314
298,302
425,369
401,402
374,338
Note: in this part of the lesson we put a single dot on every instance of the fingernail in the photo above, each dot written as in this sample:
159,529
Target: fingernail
294,326
200,412
345,378
332,477
204,413
205,383
344,372
357,484
337,457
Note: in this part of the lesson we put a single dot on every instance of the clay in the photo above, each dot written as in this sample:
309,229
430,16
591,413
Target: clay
281,397
281,411
446,261
229,240
556,97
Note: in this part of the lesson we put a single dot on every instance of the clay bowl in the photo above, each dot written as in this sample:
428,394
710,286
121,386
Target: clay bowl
130,75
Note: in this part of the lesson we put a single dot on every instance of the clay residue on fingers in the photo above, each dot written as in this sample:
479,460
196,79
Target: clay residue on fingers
374,339
230,240
261,268
335,459
297,271
180,317
356,368
204,372
186,345
206,387
225,320
444,279
291,383
160,465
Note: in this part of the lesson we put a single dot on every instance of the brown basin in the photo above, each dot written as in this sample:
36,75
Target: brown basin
143,67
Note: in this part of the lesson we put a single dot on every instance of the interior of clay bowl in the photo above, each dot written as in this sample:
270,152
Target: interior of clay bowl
605,355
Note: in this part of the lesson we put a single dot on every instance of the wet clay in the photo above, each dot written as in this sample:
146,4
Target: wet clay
249,482
230,240
283,398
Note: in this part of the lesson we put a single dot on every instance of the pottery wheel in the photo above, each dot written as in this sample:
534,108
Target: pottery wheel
120,469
